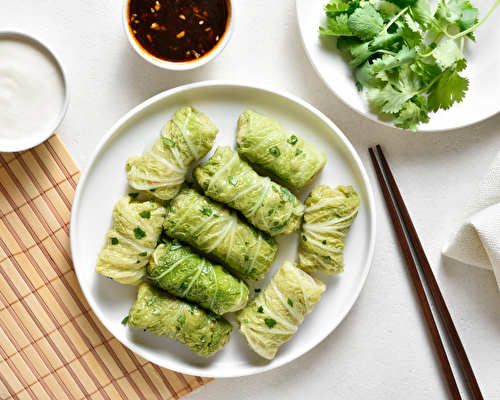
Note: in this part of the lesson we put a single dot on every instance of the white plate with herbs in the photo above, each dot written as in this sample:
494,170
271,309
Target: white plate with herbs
104,181
481,98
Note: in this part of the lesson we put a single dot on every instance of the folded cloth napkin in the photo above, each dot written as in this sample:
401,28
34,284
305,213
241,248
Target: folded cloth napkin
476,238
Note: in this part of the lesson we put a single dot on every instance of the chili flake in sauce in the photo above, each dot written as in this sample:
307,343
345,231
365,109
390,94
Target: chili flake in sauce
177,30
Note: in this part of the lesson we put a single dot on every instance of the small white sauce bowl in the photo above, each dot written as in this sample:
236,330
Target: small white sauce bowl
24,143
180,66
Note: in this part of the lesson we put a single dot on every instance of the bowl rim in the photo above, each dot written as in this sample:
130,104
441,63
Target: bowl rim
186,65
28,143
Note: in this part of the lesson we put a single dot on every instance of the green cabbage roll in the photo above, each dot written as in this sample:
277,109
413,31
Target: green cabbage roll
214,229
227,178
159,312
265,142
275,314
175,268
327,219
130,241
185,139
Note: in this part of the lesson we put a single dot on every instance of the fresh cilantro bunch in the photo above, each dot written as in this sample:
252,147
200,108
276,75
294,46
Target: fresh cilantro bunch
407,55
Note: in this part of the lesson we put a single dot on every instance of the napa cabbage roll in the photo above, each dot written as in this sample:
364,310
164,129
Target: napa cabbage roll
131,240
265,142
213,228
185,139
227,178
328,217
275,314
157,311
183,273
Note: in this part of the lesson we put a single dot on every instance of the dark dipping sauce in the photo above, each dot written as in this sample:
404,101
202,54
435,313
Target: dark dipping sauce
178,30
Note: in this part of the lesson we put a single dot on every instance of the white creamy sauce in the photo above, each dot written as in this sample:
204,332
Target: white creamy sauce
31,89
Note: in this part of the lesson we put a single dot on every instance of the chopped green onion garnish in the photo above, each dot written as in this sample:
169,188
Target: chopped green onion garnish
232,180
114,241
168,142
139,233
275,151
270,322
145,214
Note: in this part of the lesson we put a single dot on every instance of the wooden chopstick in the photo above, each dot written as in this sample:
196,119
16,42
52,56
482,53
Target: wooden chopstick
421,296
432,283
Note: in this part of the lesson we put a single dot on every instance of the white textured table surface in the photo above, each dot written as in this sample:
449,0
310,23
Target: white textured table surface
381,349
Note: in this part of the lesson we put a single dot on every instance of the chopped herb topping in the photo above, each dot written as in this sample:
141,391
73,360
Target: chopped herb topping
260,310
232,180
152,190
268,238
271,212
246,243
246,258
206,210
275,151
151,301
297,152
145,253
152,200
246,321
324,242
304,238
286,195
203,339
212,316
155,312
181,319
145,214
168,142
275,189
292,139
125,320
139,233
114,241
133,195
328,260
290,302
216,215
270,322
194,236
137,261
172,222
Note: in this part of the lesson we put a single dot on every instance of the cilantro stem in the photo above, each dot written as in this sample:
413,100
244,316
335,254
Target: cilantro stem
386,52
394,20
478,24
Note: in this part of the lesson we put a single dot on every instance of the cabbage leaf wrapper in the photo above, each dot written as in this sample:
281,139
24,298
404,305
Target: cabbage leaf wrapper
175,268
185,139
213,228
328,217
275,314
131,240
265,142
227,178
157,311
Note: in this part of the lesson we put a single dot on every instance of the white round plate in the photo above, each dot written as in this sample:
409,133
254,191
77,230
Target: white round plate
483,60
104,181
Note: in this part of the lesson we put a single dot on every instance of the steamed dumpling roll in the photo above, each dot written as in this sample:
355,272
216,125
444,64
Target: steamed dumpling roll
265,142
164,315
130,240
275,314
328,217
213,228
185,139
227,178
183,273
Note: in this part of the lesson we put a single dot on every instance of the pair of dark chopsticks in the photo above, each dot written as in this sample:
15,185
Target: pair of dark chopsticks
388,185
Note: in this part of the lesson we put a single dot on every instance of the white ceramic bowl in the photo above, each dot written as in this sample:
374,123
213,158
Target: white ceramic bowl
44,51
187,65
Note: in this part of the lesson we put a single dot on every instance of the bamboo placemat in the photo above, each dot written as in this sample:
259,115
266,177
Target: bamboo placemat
52,346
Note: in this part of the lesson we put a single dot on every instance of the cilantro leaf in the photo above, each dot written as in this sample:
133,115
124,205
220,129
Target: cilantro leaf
447,54
449,89
366,22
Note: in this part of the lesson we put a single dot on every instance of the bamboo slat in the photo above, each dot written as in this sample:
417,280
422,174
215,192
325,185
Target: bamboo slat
52,346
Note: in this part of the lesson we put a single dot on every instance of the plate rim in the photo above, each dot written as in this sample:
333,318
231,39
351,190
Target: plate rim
370,117
235,84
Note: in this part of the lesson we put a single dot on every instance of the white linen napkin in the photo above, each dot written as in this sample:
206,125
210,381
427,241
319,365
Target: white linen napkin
476,238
